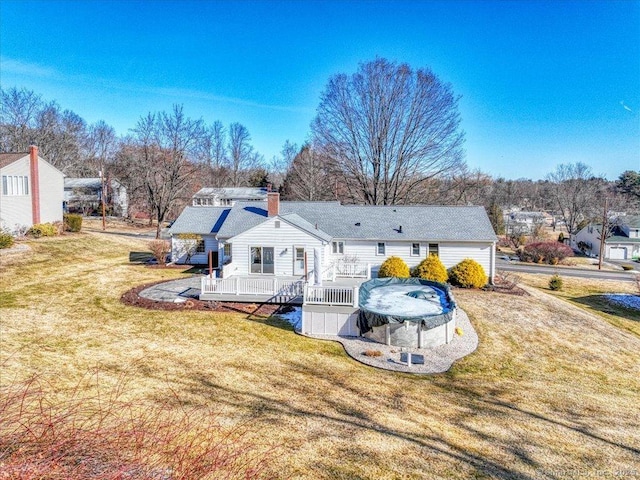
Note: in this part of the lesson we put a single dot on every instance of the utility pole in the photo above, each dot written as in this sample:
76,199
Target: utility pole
603,232
102,194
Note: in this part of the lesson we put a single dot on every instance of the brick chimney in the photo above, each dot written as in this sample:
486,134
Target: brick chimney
35,184
273,204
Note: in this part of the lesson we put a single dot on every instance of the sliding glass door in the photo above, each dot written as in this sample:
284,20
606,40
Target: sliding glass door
262,260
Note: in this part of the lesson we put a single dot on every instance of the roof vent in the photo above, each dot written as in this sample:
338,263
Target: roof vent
357,224
400,229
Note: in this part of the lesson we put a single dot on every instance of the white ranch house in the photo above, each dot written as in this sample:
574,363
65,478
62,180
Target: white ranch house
320,243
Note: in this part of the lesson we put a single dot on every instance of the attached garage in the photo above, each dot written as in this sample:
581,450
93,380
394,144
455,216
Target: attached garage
617,253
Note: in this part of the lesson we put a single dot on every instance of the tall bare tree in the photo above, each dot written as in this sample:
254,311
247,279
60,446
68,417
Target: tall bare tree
390,129
167,144
309,177
575,191
19,110
242,157
214,155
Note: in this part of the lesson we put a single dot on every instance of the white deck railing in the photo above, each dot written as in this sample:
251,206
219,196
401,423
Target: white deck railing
252,286
320,295
347,270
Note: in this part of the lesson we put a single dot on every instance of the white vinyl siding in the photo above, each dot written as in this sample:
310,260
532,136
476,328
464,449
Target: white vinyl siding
16,210
451,253
206,245
282,239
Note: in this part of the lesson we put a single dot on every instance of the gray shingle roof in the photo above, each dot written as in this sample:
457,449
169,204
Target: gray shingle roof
242,217
200,220
302,224
329,220
457,223
237,193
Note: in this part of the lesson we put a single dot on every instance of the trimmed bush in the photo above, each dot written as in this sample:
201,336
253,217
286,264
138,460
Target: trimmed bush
550,253
6,240
431,268
555,283
43,230
72,222
561,237
160,249
393,267
627,267
468,274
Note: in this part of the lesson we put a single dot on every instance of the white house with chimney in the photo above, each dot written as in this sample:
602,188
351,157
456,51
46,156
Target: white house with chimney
318,241
32,191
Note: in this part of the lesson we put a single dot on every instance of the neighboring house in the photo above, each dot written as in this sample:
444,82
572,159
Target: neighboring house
521,222
624,244
216,197
32,190
318,241
84,195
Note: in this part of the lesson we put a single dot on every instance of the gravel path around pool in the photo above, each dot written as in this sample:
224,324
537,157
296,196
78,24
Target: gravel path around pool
436,360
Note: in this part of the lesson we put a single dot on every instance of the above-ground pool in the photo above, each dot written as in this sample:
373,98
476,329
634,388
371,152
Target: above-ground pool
406,312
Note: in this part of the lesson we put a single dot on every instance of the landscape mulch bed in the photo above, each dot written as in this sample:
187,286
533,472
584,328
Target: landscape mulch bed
132,297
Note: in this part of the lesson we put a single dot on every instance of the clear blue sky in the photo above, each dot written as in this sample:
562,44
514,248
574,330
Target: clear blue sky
542,82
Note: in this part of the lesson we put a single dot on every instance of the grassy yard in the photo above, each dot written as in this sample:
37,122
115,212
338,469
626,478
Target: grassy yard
551,388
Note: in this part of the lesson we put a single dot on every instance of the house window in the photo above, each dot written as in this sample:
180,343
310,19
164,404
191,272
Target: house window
434,249
337,247
15,185
381,248
200,246
415,249
262,260
227,250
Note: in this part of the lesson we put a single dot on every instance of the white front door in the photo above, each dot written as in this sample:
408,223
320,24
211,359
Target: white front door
298,260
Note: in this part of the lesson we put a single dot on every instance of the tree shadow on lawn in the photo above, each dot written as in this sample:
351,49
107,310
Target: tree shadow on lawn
470,410
601,304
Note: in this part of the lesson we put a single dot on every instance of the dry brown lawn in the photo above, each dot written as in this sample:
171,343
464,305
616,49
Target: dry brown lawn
552,390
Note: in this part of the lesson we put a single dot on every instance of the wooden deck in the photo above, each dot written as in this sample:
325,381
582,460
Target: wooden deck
281,290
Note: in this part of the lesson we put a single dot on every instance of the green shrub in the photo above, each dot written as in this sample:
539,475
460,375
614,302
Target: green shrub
468,274
555,283
72,222
6,240
431,268
627,267
43,230
393,267
561,237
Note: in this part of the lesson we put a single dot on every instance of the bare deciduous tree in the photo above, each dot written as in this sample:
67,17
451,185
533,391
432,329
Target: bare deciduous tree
167,144
242,157
390,129
308,177
575,192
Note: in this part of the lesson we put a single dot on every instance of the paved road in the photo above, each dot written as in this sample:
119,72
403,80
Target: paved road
564,271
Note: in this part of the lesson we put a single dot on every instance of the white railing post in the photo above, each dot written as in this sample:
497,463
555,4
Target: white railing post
275,285
368,271
237,285
356,293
